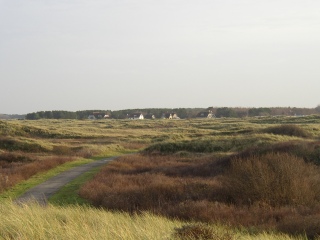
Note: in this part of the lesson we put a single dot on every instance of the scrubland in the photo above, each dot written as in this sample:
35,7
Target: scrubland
254,178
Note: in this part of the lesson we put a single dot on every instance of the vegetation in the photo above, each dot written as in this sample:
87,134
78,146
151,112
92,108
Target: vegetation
223,178
83,222
183,113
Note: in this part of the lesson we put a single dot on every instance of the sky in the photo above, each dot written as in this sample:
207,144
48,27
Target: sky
122,54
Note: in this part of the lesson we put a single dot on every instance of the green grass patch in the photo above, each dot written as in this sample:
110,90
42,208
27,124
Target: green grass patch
68,195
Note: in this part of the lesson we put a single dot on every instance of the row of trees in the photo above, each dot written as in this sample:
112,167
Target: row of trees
183,113
120,114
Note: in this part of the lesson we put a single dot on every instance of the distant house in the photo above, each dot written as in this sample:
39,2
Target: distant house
135,116
207,114
170,116
98,115
175,116
166,116
149,116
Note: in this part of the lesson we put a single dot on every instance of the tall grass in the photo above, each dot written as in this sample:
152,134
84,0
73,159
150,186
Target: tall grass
76,222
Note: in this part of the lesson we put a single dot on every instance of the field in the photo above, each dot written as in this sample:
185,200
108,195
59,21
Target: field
250,177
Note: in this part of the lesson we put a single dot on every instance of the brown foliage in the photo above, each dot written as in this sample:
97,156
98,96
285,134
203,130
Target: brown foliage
276,179
136,183
173,186
15,172
309,151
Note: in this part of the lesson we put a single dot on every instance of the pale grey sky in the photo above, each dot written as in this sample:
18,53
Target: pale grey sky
119,54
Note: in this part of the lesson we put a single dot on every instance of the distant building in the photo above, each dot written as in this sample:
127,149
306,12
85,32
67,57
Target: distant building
98,115
135,116
166,116
149,116
207,114
170,116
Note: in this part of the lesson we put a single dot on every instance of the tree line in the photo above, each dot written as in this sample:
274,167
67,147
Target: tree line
183,113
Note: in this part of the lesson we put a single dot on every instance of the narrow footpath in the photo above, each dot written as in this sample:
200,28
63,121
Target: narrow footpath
43,191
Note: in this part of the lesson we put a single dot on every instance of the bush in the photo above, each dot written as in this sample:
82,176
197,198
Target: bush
309,151
289,130
277,179
203,146
200,231
12,144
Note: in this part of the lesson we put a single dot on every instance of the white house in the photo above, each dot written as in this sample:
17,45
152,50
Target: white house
135,116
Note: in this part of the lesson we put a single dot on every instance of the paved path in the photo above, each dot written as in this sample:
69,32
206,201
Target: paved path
43,191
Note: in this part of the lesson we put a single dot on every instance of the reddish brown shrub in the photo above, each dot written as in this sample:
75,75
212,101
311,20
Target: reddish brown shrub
17,172
167,185
276,179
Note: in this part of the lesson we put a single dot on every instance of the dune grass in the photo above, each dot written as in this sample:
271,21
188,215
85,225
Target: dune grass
197,143
81,222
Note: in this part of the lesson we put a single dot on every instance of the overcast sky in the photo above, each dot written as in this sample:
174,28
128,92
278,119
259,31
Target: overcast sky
120,54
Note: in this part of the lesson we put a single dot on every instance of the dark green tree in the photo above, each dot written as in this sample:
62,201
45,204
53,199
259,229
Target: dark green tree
225,112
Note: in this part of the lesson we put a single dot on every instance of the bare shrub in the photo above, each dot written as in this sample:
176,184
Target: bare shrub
276,179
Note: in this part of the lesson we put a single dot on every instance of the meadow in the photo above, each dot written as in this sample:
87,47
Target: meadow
250,177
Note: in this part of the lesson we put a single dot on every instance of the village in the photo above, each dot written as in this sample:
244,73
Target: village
141,116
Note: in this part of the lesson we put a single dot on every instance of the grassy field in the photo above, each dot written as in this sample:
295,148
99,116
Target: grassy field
258,176
76,222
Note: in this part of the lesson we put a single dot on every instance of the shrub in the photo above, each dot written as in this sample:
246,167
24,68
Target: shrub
275,178
61,150
203,146
10,157
309,151
12,144
289,130
200,231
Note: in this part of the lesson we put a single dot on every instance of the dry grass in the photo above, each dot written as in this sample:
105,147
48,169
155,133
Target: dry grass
83,223
31,147
187,183
193,189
